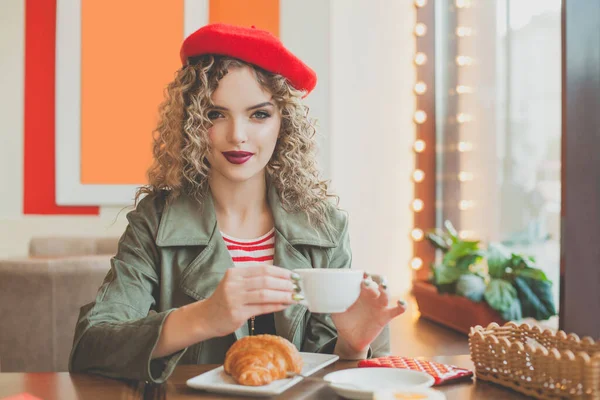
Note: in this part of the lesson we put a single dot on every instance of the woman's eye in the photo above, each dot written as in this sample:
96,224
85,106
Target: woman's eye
261,115
214,115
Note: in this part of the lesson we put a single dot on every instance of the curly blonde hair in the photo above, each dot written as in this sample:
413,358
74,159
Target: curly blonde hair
181,141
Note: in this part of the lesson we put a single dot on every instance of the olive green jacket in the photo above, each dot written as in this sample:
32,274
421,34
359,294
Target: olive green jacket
173,254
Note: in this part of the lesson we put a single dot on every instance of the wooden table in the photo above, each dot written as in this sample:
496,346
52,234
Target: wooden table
63,386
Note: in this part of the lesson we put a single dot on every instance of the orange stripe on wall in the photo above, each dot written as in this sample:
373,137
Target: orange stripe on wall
130,51
263,14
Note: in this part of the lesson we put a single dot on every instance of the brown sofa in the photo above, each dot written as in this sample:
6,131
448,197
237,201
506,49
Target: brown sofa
71,246
40,297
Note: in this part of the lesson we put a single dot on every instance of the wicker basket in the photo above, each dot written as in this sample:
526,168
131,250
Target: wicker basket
544,365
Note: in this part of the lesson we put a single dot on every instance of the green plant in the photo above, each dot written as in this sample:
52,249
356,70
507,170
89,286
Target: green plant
509,282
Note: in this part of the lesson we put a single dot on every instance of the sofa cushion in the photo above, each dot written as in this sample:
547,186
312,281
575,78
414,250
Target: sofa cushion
39,307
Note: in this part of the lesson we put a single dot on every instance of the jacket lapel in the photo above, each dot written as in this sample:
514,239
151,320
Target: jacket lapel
186,222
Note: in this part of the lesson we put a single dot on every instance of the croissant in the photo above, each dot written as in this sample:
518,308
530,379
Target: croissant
261,359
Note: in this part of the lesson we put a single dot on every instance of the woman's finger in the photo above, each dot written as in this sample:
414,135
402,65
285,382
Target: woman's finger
378,279
269,282
267,270
382,282
399,309
384,297
369,289
268,296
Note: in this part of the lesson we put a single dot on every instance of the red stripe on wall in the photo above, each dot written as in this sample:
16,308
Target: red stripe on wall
39,186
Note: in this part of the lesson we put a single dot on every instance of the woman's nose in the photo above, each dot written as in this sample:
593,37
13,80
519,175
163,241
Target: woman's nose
237,132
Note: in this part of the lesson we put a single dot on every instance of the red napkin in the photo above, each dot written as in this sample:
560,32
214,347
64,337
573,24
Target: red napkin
21,396
442,373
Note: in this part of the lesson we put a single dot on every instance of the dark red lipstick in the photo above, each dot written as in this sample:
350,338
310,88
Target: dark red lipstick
237,157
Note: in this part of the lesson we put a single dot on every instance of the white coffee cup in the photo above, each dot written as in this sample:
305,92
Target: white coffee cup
329,290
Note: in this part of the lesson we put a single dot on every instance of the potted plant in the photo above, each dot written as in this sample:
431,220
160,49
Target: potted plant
473,285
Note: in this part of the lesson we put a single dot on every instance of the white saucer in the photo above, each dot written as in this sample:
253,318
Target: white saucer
362,383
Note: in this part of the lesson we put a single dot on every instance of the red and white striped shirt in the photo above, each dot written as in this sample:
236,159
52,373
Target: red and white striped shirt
246,252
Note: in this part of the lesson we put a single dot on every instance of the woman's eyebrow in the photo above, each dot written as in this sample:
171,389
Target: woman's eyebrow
265,104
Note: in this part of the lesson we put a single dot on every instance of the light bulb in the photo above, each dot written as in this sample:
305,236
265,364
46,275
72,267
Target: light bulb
418,175
463,31
420,3
465,235
465,204
417,234
420,58
416,263
419,146
420,87
417,205
465,176
420,116
420,29
464,61
461,118
462,89
465,146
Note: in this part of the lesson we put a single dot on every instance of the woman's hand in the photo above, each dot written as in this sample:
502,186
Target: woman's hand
246,292
359,325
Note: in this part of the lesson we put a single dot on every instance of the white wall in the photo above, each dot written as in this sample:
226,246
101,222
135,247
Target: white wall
313,47
372,132
12,47
362,51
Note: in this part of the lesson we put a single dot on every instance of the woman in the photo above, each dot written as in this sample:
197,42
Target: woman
233,184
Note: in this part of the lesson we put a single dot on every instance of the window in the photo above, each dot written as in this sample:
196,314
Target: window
498,101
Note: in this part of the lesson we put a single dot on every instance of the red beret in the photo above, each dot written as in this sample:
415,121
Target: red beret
252,45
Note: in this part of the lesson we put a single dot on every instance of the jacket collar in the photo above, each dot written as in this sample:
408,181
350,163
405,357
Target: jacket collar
186,222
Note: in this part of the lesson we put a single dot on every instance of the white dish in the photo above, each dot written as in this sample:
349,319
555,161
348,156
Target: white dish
218,381
362,383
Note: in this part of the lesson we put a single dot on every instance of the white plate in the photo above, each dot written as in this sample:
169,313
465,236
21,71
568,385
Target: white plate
362,383
218,381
